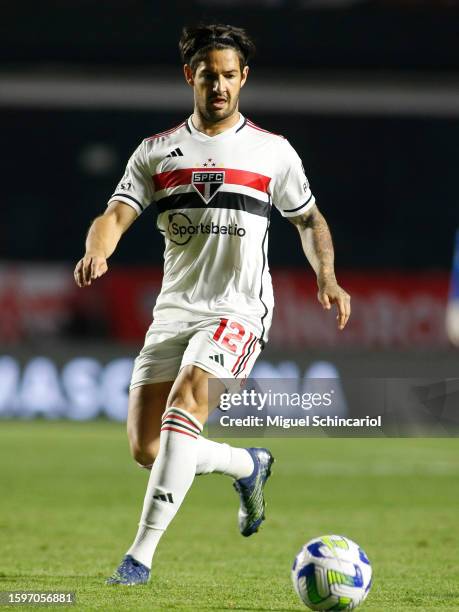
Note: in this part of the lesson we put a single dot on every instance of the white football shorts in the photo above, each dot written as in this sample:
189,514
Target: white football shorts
224,347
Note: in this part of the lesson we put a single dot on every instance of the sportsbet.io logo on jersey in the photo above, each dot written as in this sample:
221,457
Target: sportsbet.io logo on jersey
207,183
181,229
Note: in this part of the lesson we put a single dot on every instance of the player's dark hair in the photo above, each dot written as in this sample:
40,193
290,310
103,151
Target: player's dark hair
196,41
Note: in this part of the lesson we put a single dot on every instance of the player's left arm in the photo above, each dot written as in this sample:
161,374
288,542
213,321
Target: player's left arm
318,247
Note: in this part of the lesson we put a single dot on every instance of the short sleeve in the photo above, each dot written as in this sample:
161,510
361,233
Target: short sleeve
290,189
136,186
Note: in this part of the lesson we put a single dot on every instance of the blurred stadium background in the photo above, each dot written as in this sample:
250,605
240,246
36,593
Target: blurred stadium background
366,91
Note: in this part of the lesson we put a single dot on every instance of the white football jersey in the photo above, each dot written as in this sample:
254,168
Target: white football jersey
213,196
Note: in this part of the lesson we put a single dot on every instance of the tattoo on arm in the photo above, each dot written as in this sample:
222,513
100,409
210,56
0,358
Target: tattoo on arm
316,240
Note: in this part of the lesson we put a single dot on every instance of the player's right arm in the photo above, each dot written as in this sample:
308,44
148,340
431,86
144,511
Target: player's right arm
103,236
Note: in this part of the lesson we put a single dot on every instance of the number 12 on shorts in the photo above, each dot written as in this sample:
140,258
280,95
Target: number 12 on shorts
232,336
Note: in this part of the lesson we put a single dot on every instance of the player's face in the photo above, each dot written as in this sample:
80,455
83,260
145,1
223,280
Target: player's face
217,82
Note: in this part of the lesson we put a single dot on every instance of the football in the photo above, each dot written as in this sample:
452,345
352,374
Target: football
331,573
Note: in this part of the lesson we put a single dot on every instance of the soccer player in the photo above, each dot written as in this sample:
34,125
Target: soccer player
213,180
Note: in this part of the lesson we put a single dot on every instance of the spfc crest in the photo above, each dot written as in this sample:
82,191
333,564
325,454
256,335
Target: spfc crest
207,183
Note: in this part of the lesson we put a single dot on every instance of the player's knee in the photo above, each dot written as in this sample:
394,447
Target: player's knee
190,394
186,401
142,455
143,459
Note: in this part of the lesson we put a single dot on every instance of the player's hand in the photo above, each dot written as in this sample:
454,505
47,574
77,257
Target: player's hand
331,293
89,268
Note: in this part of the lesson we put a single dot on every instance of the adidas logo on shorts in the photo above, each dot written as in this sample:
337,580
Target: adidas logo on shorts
218,358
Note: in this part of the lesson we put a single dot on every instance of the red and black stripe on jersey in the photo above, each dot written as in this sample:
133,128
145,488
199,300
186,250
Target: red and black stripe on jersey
175,178
223,199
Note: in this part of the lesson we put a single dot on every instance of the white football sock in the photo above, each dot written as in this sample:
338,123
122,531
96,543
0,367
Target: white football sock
170,478
217,458
222,459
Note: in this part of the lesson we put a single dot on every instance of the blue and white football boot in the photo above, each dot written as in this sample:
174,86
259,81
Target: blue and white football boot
130,572
252,509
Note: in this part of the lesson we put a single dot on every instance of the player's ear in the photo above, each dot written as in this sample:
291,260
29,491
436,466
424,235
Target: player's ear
188,74
245,73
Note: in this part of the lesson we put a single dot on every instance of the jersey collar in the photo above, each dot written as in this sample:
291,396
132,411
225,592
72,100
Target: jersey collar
205,138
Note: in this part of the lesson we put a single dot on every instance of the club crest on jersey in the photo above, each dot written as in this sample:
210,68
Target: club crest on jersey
207,183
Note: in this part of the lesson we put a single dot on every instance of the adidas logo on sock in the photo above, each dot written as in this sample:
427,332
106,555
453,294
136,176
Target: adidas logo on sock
167,497
175,153
218,358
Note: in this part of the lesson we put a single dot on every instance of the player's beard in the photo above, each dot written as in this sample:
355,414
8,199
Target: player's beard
215,115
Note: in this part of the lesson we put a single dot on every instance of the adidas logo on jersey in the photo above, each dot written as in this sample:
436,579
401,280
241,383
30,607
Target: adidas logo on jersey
167,497
175,153
218,358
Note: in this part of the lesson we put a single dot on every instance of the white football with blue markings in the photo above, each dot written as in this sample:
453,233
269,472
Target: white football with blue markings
332,573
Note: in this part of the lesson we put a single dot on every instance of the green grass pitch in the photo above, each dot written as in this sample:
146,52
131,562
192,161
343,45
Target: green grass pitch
71,498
